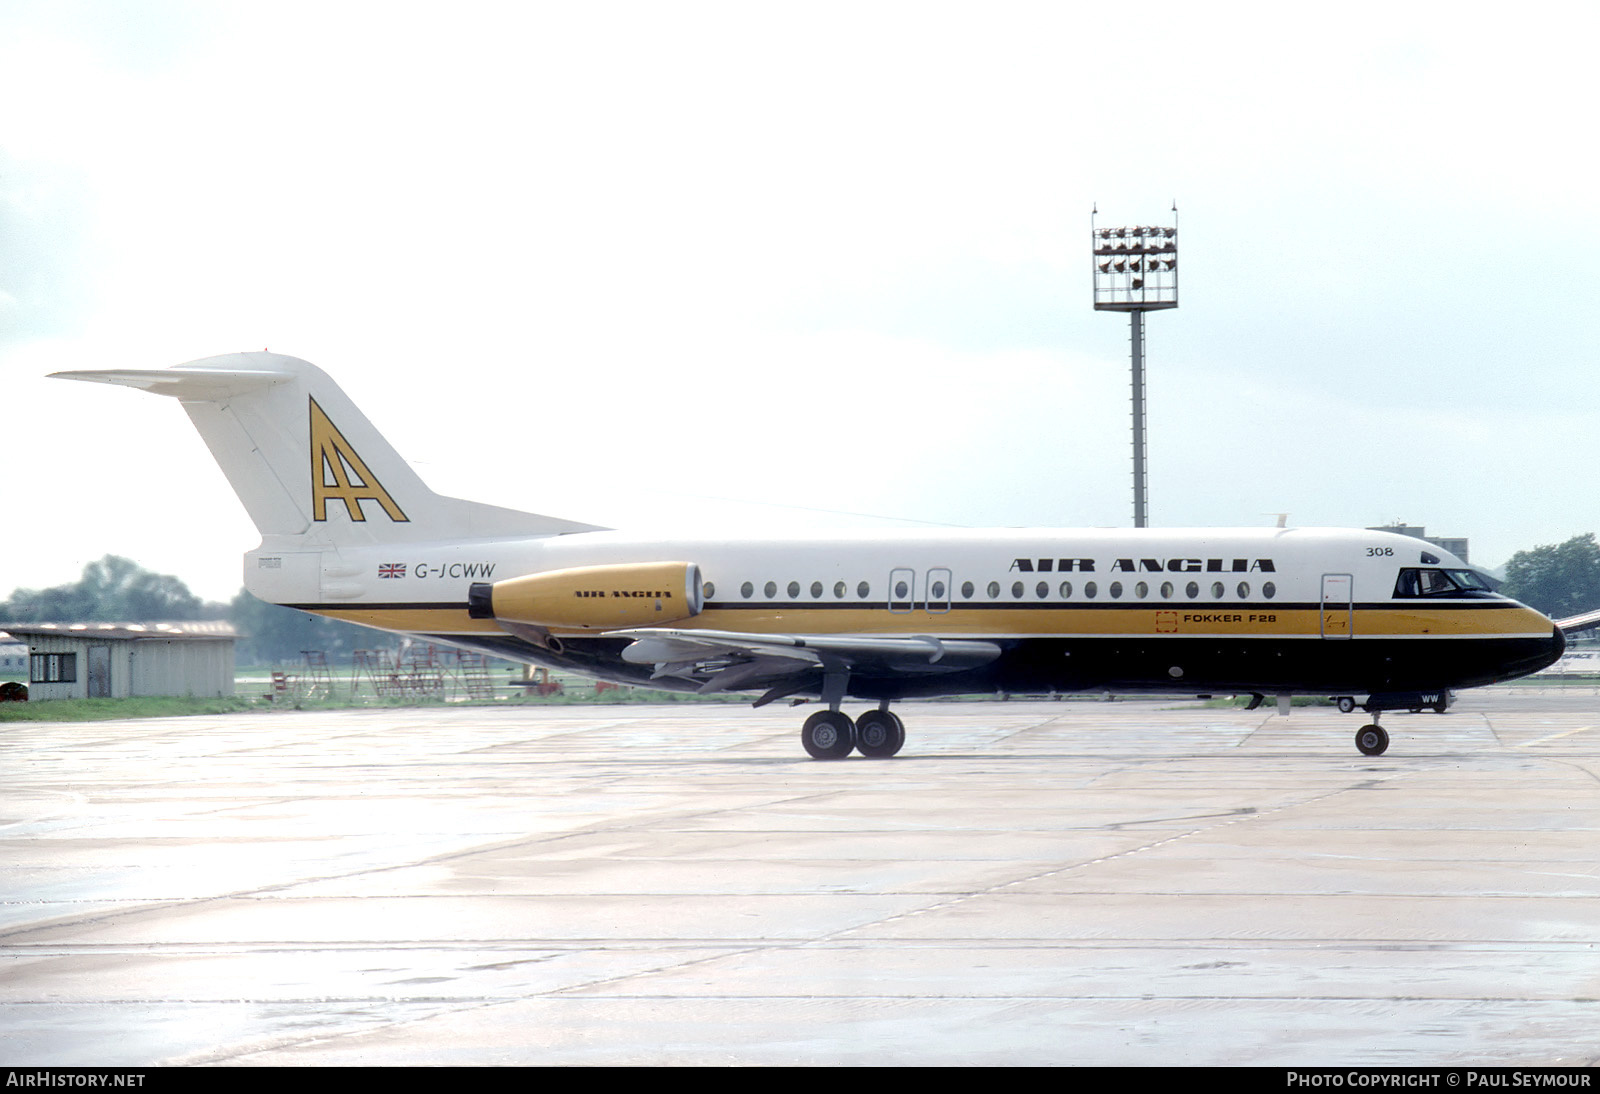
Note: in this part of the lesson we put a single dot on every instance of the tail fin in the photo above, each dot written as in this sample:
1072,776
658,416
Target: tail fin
306,462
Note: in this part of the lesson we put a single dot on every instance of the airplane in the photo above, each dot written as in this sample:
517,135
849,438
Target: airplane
348,530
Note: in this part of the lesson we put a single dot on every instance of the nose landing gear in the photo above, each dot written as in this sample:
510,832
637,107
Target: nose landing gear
1372,740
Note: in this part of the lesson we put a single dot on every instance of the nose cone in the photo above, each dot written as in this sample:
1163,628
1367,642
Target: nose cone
1525,655
1545,653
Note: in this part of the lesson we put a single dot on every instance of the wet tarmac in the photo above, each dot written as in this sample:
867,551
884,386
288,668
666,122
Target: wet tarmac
1028,883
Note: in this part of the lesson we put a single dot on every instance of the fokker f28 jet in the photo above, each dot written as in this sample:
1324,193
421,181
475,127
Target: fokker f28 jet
348,530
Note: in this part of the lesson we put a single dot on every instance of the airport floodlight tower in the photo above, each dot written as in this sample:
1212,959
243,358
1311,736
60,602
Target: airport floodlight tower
1136,270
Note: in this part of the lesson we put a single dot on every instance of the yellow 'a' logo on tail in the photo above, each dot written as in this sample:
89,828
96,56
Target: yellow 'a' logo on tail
338,473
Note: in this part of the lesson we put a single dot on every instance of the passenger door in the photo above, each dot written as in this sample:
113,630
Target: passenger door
1338,608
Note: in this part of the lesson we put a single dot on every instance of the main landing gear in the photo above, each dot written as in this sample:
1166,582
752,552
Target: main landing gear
831,735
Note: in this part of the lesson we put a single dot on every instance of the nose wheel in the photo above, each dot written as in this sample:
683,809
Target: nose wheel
1372,740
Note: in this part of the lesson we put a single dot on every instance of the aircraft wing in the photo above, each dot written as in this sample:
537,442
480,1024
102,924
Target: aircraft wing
1575,623
786,663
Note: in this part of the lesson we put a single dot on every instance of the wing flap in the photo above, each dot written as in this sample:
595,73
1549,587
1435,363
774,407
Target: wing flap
734,660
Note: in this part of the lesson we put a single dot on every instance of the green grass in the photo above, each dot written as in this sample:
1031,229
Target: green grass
98,710
252,696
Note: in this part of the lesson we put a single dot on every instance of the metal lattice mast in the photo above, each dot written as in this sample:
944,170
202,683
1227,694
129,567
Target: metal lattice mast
1136,270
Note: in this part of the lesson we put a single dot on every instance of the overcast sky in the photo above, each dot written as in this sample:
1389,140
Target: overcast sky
629,262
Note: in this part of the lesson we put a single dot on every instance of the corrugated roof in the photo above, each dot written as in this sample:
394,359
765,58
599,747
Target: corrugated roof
192,629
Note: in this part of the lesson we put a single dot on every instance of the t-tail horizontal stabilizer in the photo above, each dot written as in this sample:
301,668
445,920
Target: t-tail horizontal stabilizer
306,462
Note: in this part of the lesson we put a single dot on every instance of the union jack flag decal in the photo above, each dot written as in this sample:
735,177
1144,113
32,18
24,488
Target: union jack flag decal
392,569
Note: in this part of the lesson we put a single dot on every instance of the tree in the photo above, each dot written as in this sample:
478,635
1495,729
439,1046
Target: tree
112,589
272,634
119,590
1559,580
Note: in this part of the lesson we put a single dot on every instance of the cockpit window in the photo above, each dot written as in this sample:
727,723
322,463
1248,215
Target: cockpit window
1422,581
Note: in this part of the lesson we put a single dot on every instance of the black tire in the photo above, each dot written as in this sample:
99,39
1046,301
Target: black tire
1372,740
879,734
1346,704
828,735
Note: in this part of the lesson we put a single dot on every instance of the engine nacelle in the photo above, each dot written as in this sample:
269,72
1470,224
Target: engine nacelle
647,594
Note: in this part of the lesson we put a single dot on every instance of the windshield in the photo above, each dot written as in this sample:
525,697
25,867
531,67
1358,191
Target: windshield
1420,581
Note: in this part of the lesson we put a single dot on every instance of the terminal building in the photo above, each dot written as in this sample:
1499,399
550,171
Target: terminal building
119,660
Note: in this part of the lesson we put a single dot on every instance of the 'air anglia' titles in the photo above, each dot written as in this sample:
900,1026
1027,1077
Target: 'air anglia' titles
1146,565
